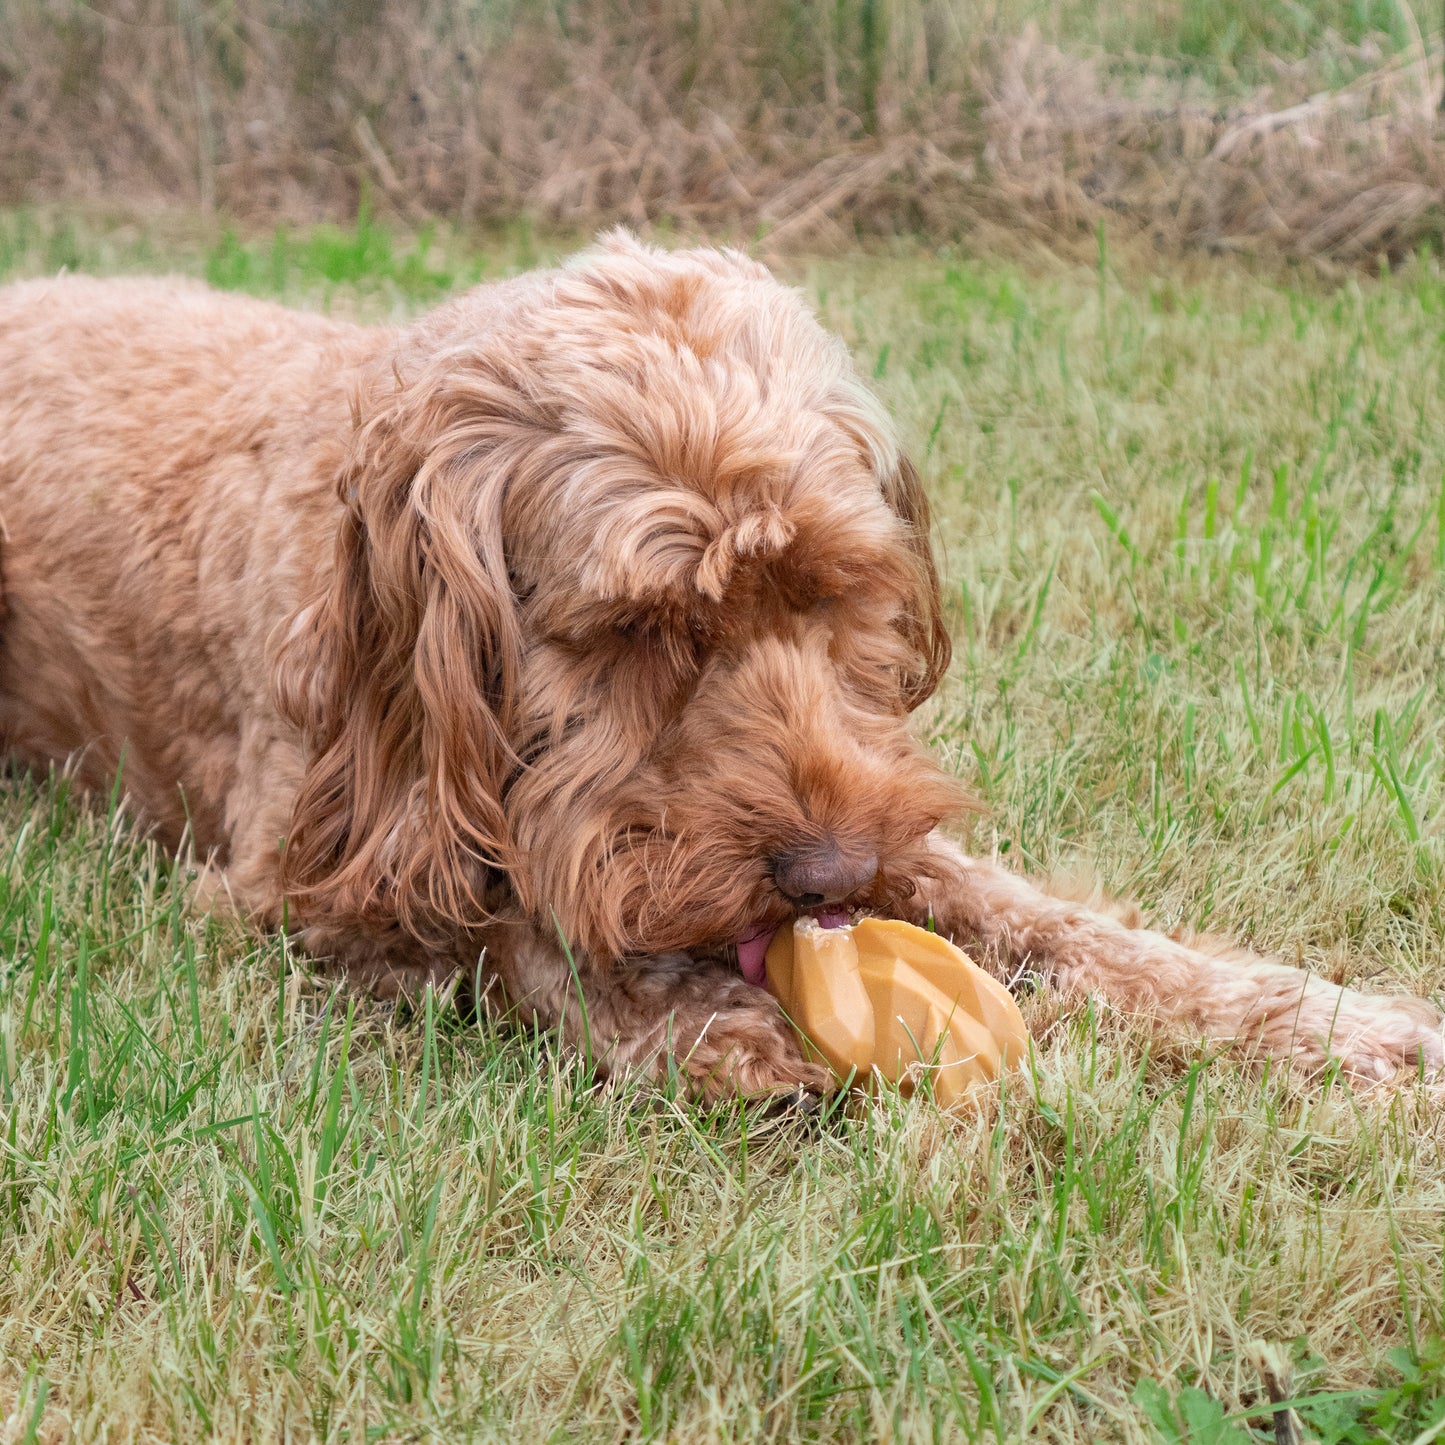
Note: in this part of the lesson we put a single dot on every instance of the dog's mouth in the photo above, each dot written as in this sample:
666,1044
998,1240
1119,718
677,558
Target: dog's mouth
752,944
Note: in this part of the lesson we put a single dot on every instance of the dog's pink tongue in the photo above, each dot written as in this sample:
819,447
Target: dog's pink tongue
753,945
753,949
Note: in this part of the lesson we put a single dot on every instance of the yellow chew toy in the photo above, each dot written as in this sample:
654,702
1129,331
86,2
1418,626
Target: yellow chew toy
888,996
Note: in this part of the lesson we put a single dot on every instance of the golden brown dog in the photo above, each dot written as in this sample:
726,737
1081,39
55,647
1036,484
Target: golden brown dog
591,606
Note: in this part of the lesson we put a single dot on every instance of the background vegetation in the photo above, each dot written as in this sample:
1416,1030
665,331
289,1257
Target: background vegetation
1194,531
1269,125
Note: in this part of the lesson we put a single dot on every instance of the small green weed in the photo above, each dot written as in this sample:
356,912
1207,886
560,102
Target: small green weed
1409,1406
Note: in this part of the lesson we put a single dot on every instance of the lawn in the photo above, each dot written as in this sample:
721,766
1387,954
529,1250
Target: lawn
1193,527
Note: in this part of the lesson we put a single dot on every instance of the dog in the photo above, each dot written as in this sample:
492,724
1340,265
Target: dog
566,637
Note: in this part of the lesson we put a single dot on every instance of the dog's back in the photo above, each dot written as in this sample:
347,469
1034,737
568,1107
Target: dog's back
149,507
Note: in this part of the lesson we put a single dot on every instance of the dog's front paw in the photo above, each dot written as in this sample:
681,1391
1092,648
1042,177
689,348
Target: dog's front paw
1378,1038
744,1047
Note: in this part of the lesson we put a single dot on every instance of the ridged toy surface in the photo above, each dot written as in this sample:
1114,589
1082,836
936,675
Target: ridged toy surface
883,995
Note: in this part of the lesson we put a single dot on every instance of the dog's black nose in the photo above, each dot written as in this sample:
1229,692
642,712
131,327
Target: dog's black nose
822,873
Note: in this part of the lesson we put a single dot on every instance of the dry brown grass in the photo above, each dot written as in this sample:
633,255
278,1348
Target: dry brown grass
817,124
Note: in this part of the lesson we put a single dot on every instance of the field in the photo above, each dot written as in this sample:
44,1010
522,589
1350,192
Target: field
1192,520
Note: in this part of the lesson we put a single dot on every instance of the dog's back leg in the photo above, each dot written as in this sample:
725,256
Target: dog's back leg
1225,993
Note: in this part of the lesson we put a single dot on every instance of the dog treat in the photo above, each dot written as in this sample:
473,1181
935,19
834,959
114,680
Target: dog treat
885,996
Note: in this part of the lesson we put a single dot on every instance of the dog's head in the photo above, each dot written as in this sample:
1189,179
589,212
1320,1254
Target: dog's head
633,596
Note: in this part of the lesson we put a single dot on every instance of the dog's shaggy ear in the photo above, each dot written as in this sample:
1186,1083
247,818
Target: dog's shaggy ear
401,676
928,633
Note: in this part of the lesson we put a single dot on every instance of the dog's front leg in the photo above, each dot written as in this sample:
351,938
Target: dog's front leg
725,1037
1225,993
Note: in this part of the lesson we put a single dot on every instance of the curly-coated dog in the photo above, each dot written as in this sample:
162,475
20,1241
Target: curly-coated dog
591,605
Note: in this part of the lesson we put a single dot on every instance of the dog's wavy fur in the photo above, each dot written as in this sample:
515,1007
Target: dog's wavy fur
571,608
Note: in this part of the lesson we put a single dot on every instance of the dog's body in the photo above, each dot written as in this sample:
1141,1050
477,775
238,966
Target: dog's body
593,603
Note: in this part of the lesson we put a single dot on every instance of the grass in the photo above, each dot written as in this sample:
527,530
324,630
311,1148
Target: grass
1194,523
1228,44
